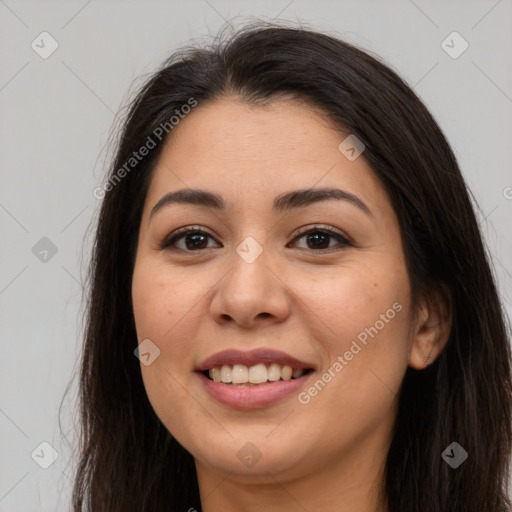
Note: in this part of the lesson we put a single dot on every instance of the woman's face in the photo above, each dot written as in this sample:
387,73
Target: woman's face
322,281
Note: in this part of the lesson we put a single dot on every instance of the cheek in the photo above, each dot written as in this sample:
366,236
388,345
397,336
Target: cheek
361,321
163,309
162,303
348,301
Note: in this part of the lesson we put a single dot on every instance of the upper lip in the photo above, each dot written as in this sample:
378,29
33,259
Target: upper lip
251,358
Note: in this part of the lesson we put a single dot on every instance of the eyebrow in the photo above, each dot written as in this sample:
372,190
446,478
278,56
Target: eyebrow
287,201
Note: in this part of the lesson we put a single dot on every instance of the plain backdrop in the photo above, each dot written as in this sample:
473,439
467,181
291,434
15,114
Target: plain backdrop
56,116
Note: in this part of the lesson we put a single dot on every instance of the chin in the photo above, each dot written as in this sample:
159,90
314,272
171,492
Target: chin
249,460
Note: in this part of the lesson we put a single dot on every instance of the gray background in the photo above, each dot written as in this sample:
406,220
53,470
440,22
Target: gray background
56,116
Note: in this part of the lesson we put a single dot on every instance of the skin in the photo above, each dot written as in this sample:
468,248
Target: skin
328,454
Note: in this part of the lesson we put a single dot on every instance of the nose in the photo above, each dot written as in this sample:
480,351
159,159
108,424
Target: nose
251,294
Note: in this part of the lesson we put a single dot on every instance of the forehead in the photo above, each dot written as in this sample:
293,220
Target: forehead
286,129
253,153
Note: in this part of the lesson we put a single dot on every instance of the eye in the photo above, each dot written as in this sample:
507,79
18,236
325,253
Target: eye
319,239
193,240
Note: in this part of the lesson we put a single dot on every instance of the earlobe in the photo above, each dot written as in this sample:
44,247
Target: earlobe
432,328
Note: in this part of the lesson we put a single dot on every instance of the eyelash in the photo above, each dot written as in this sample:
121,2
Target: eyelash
183,232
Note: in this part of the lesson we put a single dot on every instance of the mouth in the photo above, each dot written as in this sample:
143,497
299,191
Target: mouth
241,375
253,379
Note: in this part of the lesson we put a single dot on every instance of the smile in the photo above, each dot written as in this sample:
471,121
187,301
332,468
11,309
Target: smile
242,375
253,379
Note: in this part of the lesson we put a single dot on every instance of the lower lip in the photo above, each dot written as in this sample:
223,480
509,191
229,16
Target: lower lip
252,397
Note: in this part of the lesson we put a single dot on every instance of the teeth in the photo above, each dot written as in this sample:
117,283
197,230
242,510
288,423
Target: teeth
215,374
286,372
225,374
240,374
297,373
274,372
258,374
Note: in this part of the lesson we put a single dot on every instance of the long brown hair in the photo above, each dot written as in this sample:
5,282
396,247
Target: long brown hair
127,459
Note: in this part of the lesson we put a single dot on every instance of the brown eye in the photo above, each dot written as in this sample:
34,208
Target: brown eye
320,239
317,239
191,240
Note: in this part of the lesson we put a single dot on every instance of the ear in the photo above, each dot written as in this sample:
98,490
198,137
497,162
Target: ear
431,328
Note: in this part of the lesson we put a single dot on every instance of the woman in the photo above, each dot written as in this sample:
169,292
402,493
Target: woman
288,247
